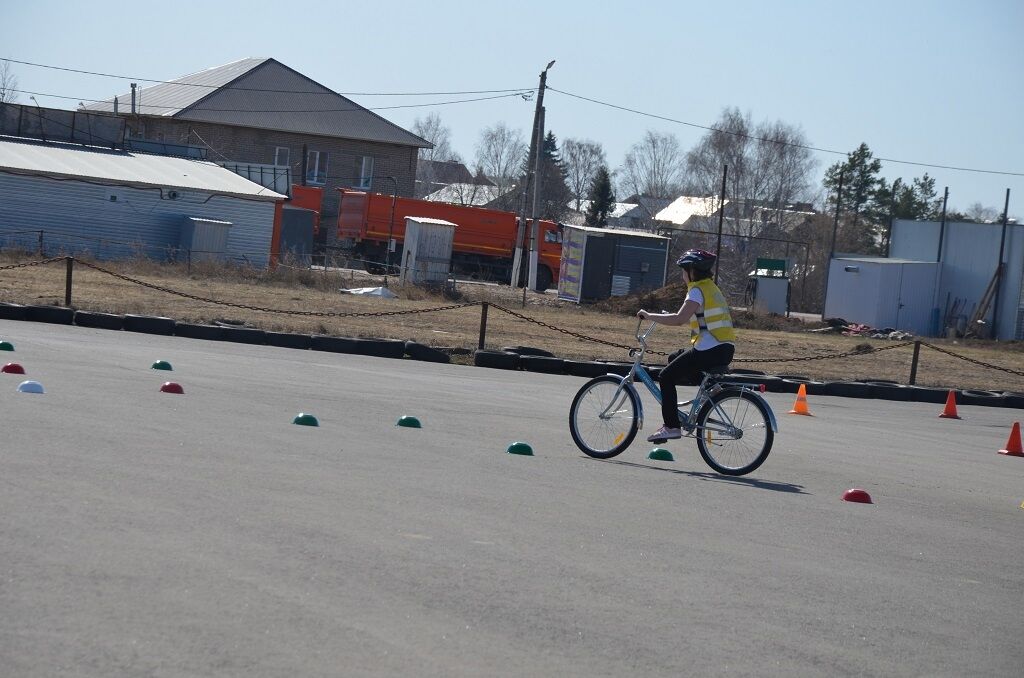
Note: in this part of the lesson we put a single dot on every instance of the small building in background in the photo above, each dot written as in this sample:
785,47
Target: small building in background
70,198
598,263
427,251
882,293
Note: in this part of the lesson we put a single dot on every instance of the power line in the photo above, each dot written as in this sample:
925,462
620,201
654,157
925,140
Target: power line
257,89
776,141
289,110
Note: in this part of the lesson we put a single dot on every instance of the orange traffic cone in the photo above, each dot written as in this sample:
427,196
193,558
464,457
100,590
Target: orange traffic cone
1013,446
800,406
950,411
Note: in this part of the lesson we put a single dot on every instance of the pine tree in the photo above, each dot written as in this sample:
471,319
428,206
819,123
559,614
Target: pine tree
601,197
554,191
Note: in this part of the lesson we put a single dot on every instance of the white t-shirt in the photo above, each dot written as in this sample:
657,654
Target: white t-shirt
705,339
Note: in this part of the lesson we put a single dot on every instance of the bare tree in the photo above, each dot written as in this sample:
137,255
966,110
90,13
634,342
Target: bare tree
437,133
581,158
8,83
982,214
653,167
769,170
500,153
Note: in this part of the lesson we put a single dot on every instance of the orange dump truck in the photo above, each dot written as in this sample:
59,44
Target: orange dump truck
484,239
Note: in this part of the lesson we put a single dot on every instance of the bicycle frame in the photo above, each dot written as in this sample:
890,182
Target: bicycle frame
704,393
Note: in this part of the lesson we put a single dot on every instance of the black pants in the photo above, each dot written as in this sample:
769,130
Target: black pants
684,368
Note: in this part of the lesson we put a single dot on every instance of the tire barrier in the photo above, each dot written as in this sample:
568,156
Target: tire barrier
610,367
986,398
381,348
194,331
812,387
12,311
849,389
57,315
244,335
587,369
102,321
501,360
528,350
286,340
322,342
542,364
1013,399
425,353
149,324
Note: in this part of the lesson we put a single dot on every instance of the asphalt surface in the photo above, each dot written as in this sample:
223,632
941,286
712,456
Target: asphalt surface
152,534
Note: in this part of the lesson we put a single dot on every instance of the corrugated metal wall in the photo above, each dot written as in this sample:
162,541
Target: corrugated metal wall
969,257
112,222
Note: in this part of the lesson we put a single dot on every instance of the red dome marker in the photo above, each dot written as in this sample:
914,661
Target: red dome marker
13,368
857,496
171,387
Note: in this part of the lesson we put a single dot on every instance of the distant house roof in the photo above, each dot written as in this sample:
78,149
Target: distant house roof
617,231
124,168
646,206
619,209
448,172
476,195
684,208
265,94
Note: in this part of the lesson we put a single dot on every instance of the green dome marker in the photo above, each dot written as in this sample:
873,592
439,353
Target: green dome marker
162,365
660,454
6,346
410,422
303,419
520,448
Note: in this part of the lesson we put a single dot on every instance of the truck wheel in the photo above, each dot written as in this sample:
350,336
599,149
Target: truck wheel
543,278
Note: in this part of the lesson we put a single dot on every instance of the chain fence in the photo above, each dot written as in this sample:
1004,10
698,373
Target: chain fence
857,352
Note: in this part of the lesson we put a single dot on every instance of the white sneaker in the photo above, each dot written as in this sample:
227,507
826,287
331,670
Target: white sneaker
664,433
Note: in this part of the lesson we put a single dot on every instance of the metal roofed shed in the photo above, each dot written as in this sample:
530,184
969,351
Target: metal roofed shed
117,204
882,293
599,262
427,251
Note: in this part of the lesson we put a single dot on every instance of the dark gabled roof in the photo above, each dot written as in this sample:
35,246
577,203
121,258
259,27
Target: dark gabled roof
265,94
448,172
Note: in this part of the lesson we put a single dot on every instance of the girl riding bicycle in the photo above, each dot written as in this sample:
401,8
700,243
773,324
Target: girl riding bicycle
711,336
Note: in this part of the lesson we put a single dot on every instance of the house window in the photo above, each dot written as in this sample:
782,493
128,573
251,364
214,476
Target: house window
316,168
281,156
366,172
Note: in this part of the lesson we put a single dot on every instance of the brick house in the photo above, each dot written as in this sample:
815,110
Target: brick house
258,110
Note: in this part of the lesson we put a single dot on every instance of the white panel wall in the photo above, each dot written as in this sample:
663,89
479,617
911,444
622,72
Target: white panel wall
969,256
77,216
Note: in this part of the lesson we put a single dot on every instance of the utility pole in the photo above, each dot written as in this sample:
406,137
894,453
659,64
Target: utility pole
534,160
721,215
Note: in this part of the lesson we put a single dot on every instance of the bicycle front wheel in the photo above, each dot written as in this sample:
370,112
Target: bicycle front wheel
734,432
604,418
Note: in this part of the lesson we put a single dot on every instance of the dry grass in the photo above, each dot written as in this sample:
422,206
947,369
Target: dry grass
293,289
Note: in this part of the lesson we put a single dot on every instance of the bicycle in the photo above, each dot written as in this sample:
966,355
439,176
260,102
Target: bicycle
733,424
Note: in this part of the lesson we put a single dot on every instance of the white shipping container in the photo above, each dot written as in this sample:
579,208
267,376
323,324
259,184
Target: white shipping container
427,254
881,293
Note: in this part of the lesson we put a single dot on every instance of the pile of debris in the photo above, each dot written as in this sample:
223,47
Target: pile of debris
848,329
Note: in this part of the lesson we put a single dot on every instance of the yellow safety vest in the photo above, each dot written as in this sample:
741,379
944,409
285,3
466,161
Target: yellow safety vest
715,317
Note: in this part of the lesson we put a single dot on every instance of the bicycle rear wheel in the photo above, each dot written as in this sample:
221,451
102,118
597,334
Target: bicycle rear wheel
734,432
604,418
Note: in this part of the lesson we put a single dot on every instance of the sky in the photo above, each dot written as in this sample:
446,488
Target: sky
939,83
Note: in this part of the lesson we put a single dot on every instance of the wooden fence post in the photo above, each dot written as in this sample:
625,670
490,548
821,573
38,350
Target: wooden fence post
483,325
913,362
67,281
